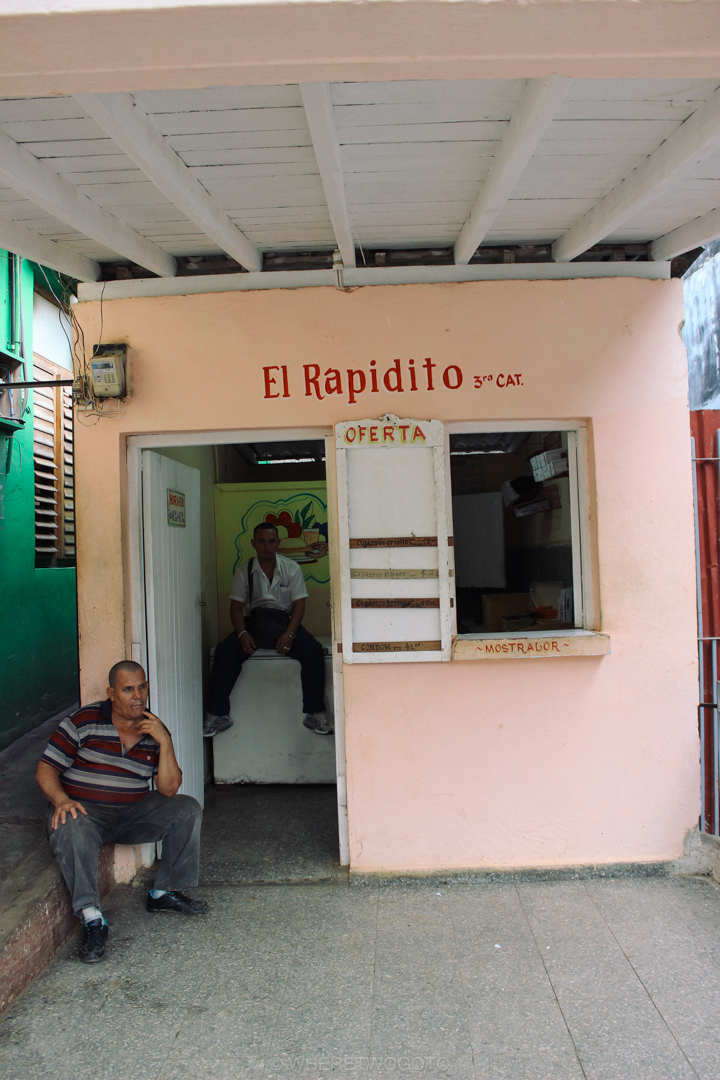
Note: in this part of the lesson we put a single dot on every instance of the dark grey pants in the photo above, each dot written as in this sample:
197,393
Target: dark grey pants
175,820
230,657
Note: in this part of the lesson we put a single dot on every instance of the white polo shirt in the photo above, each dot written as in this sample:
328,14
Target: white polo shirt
287,585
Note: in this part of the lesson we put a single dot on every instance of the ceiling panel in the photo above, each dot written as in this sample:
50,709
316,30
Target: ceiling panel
434,91
462,131
217,98
227,120
52,130
15,110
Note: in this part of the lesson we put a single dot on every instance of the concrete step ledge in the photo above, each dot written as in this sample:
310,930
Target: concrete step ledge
700,858
36,917
513,874
39,920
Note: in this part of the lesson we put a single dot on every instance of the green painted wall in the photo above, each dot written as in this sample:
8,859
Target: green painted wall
38,611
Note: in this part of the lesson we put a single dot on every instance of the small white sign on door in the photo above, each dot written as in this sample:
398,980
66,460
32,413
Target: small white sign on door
176,508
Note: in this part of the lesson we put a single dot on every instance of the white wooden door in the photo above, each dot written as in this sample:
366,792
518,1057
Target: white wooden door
171,535
394,546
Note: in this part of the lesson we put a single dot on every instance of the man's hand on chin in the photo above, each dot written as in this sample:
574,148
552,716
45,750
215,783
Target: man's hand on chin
153,726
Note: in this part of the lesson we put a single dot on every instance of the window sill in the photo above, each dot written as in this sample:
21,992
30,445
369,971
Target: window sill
530,646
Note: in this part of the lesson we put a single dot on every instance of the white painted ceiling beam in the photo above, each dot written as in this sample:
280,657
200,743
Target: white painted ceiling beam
130,128
679,154
536,109
36,181
31,245
693,234
319,111
370,275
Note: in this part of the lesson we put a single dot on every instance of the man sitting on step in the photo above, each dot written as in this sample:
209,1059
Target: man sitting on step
97,772
272,589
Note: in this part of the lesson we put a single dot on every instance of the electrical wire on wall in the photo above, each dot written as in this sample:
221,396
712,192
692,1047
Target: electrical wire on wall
12,442
360,246
16,356
339,268
14,362
89,409
24,406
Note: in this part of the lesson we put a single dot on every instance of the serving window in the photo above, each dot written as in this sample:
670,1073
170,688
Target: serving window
516,526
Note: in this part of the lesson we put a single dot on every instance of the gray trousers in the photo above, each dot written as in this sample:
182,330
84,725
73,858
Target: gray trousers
175,820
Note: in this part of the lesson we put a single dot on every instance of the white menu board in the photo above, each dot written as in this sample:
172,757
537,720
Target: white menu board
394,547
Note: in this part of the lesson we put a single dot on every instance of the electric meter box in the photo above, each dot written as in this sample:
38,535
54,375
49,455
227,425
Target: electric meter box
108,369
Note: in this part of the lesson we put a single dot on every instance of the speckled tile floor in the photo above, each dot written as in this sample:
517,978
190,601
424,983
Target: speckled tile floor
606,980
269,833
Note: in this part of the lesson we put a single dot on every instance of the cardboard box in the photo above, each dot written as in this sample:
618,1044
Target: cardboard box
515,623
498,605
549,464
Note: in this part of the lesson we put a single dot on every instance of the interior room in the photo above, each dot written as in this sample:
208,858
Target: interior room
513,525
270,794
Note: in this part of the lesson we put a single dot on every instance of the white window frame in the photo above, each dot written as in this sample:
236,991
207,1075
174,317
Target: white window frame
584,578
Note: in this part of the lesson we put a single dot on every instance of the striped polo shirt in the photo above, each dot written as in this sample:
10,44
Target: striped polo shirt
86,751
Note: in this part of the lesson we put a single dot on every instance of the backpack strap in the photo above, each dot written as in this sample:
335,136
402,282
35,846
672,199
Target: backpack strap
250,582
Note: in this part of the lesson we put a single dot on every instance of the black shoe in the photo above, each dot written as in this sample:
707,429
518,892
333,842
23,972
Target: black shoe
176,901
94,937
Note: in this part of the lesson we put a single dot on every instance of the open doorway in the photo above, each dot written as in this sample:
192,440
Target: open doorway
270,783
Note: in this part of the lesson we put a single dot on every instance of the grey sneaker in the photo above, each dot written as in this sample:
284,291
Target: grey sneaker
319,723
213,724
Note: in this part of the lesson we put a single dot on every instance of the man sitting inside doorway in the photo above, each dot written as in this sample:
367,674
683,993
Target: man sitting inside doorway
273,590
96,772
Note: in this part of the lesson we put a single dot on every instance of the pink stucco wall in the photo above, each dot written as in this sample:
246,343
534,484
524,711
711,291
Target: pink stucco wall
461,765
50,46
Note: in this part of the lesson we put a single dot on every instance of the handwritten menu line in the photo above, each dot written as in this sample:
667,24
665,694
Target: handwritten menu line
397,541
394,541
415,602
397,646
398,574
